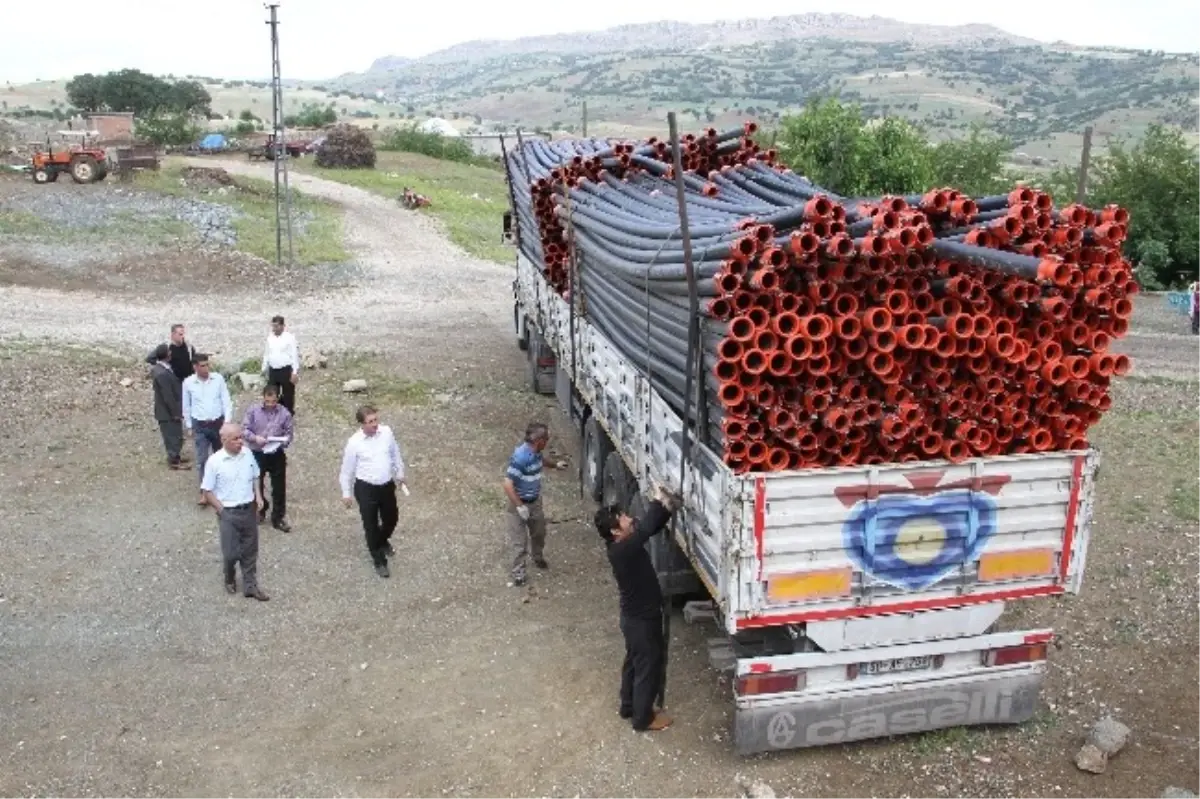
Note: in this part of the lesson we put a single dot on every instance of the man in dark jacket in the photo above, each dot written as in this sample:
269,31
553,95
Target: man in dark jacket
179,354
168,406
641,606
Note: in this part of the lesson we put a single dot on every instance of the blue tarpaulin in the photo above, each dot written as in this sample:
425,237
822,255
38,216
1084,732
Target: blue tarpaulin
213,141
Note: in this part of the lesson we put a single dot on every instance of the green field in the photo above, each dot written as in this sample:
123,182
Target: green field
318,241
469,201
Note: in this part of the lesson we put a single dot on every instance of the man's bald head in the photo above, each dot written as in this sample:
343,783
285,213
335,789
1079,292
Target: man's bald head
231,438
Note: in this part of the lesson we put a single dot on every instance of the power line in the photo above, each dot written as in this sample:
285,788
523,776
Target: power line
283,206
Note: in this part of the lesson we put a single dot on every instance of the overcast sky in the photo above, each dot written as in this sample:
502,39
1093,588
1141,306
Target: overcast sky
324,38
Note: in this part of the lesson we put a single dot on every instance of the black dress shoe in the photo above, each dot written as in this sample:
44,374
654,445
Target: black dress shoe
382,570
231,588
282,526
389,549
258,594
541,563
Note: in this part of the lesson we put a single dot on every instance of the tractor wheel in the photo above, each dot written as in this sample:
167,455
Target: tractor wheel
42,176
84,170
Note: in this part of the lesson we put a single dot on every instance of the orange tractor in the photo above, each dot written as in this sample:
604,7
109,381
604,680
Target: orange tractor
86,164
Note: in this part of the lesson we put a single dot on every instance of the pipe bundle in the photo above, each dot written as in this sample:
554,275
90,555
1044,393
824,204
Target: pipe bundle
834,331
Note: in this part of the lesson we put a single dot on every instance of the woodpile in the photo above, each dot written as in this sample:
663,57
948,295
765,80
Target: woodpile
346,147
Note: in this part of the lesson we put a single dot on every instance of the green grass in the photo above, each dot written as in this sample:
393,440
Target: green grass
469,200
319,241
20,223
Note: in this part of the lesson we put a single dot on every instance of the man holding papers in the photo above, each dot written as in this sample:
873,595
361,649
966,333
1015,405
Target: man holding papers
268,432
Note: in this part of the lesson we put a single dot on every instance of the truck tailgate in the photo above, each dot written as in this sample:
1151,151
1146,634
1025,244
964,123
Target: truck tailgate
840,543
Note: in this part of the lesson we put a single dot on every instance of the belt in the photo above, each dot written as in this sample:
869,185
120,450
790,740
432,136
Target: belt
209,422
243,506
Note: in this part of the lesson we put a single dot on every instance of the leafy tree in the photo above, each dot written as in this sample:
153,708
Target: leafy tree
167,129
838,148
1158,181
136,91
974,165
86,92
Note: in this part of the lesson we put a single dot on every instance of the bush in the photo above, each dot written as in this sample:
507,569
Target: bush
346,147
410,140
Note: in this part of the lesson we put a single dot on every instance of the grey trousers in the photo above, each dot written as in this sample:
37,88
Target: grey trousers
172,436
239,544
526,538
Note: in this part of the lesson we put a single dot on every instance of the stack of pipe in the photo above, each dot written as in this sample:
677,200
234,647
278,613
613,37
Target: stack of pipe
835,331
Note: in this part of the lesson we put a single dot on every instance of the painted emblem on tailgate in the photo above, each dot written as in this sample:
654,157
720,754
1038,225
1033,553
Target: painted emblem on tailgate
913,536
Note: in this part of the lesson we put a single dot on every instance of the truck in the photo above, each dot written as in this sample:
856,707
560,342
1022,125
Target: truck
851,602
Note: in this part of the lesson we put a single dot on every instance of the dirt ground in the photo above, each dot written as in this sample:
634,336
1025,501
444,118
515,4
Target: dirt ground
125,668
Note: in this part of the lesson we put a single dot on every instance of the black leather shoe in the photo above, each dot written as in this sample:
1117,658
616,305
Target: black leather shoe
389,549
231,588
258,594
541,563
382,570
282,526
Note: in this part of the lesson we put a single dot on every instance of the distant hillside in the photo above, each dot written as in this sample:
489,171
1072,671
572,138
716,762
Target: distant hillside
1041,96
726,33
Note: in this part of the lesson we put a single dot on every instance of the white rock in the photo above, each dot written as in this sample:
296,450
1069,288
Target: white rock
126,382
1091,759
354,386
250,382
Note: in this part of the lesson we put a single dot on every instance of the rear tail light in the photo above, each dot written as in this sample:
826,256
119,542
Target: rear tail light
1025,653
780,682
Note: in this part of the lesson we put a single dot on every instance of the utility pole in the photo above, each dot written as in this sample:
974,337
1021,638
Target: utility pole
1084,163
283,205
585,119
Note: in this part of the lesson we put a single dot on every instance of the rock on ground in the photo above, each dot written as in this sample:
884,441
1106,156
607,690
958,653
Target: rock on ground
1172,792
1091,759
1109,736
354,386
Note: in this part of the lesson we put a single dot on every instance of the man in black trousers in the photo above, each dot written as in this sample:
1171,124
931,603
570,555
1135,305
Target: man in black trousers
168,406
371,468
641,606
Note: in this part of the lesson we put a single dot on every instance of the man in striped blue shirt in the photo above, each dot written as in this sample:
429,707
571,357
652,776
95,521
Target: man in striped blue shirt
526,518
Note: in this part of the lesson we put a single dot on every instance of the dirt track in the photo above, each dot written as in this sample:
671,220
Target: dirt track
125,669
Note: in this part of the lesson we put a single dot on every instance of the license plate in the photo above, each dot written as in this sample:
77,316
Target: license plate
898,664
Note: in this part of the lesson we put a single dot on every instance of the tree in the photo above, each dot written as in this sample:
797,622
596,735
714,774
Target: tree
974,165
1158,181
836,147
86,92
168,129
136,91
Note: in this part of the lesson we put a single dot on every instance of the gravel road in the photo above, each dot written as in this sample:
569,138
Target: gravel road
413,280
126,670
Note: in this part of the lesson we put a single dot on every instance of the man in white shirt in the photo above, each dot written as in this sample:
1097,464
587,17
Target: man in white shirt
281,363
232,489
206,406
371,467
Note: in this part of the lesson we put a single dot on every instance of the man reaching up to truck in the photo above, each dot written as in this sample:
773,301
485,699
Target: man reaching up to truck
641,606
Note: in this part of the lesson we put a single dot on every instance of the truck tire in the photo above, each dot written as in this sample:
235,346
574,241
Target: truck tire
620,488
42,176
596,449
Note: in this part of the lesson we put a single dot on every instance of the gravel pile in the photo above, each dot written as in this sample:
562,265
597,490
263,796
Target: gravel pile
78,210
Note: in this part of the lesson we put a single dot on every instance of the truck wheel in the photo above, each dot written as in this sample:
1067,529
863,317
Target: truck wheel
83,170
596,449
619,486
42,176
